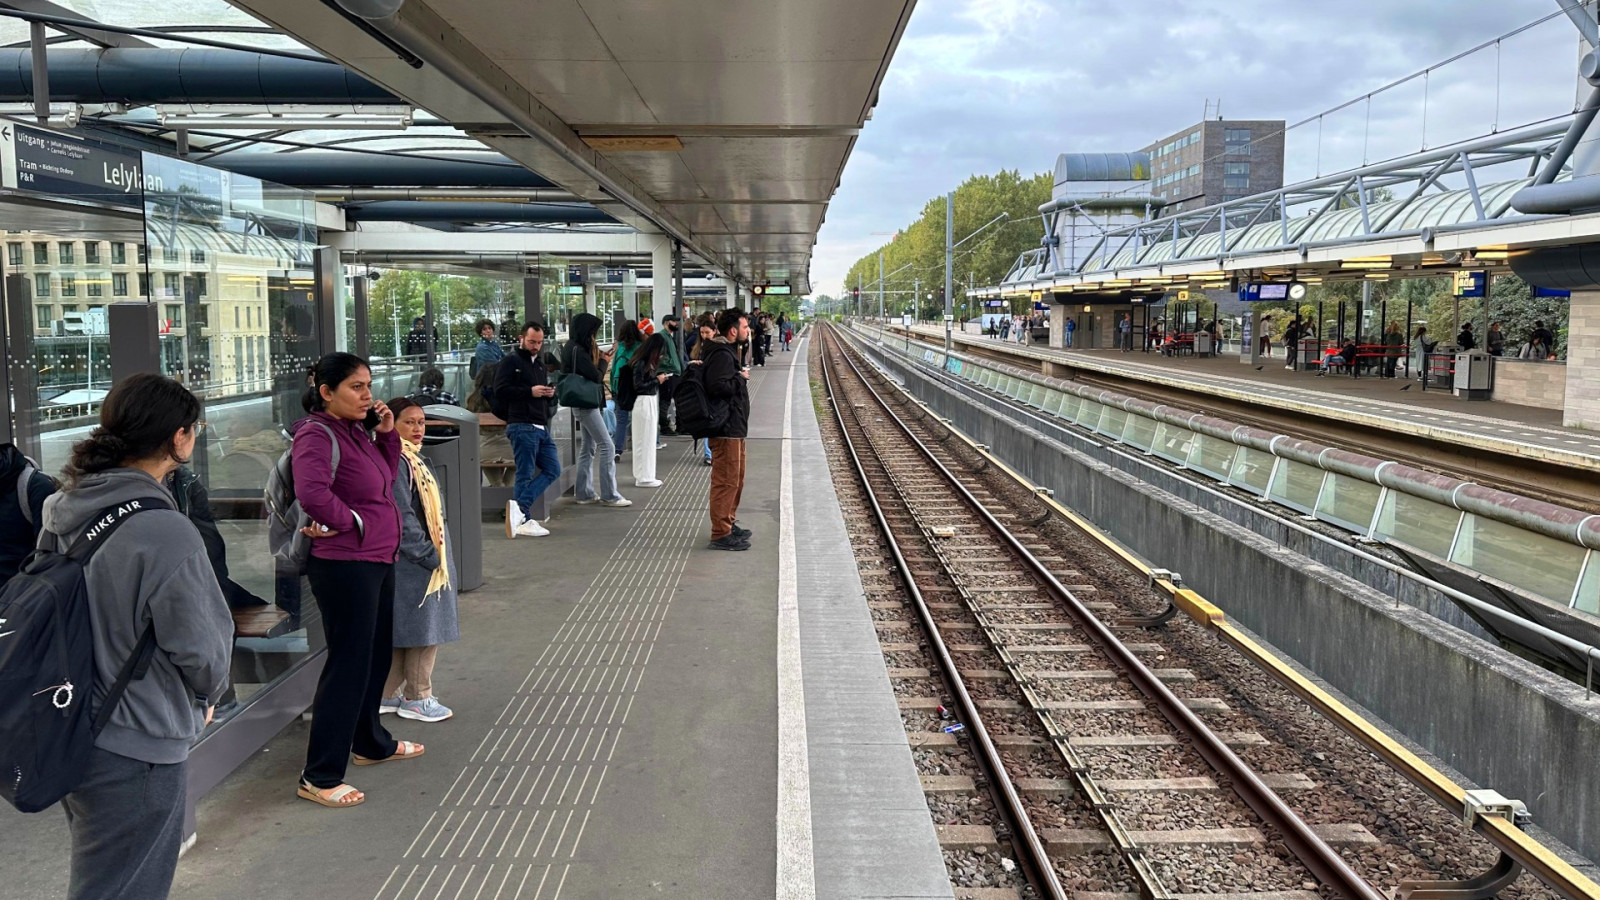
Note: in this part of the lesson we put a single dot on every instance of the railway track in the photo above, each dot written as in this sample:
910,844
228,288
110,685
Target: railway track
1134,774
987,597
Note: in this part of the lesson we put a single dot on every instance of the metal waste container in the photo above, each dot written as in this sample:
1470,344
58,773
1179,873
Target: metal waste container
451,445
1474,378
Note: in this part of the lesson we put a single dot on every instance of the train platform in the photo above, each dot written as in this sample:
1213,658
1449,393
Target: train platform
635,716
1382,404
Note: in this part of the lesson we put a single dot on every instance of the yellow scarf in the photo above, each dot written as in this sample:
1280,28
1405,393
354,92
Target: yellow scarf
433,511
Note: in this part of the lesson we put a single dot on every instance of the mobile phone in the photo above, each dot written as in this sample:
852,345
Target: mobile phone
371,421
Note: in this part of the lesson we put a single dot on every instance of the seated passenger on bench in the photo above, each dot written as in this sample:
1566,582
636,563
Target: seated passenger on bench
1344,358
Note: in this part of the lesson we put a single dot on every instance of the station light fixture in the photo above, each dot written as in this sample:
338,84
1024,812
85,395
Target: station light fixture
1367,262
1486,255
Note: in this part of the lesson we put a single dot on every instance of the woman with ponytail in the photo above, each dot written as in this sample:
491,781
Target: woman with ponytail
151,589
355,535
424,578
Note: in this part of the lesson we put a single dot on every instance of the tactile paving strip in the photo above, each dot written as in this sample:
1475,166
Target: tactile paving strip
510,824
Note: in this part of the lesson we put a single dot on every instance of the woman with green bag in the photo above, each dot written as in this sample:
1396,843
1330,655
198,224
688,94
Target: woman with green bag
581,388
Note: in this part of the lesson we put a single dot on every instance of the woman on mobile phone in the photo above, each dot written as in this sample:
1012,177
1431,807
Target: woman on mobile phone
355,535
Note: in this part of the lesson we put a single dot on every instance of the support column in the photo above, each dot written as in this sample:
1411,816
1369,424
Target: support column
1251,355
21,369
1582,408
1058,326
661,281
363,337
630,295
324,299
532,302
733,295
588,297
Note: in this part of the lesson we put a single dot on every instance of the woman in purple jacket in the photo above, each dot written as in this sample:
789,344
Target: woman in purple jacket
356,539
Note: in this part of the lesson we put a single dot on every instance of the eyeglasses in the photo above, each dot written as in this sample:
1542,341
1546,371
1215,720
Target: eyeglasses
199,427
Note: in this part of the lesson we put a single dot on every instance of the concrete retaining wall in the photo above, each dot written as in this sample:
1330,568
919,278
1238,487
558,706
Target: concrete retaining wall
1530,383
1504,723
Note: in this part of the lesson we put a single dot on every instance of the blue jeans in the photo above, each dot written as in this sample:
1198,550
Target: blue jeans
619,435
595,450
1069,340
533,448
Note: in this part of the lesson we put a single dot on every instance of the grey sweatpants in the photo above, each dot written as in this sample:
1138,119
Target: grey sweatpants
127,823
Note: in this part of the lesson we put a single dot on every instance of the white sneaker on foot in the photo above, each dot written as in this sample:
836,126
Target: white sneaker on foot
651,483
530,528
588,501
514,517
428,710
388,705
620,501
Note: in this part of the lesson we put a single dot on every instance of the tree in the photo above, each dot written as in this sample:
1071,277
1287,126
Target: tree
984,260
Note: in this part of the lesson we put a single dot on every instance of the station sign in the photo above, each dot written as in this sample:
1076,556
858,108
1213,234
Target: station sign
62,165
1253,293
770,290
1471,284
1550,292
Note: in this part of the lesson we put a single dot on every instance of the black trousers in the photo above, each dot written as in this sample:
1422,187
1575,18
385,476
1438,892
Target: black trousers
357,603
126,819
664,398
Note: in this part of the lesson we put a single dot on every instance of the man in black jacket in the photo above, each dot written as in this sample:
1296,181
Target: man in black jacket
20,513
727,383
521,379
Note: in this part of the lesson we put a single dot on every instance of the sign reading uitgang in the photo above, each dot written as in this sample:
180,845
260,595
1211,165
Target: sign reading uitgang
62,165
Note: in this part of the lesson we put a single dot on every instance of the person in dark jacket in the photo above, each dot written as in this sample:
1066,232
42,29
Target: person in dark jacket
727,384
672,362
581,358
195,502
648,378
527,391
418,341
1465,339
431,389
21,508
126,815
355,534
1495,341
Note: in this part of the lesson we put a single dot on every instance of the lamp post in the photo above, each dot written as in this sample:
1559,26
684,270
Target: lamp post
950,245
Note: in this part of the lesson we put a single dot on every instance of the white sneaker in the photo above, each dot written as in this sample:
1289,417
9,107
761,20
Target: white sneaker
530,528
588,501
662,445
389,705
654,482
514,518
620,501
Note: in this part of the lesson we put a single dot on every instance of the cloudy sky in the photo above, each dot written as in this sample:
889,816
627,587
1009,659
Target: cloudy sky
983,85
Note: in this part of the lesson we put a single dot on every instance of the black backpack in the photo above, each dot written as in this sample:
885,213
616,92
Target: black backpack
47,667
624,388
498,404
698,415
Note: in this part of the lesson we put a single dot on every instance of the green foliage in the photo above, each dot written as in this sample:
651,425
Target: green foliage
396,298
984,260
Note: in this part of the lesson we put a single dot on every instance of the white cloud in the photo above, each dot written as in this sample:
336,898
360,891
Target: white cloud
982,85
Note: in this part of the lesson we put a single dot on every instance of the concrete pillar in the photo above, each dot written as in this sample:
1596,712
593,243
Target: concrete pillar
733,295
1058,325
588,297
630,294
661,280
1251,355
1582,408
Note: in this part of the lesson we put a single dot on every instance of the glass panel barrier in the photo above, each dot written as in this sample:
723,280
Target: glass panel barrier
1252,470
1140,431
230,264
1212,455
1533,562
1069,405
1089,414
1423,524
1588,594
1297,485
1112,421
1172,442
1348,502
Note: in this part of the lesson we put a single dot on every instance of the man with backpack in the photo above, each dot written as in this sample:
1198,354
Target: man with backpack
521,396
20,515
728,398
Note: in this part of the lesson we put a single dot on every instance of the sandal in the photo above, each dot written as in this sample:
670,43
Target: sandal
334,797
402,750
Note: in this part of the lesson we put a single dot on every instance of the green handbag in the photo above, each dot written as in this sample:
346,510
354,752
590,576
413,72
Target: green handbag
576,392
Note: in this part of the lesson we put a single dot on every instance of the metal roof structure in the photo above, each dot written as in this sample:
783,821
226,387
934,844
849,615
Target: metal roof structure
726,130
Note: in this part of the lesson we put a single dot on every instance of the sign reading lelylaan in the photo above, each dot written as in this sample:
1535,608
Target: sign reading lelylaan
66,166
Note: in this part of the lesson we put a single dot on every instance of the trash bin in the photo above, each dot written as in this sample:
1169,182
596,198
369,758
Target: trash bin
1202,343
1473,375
451,446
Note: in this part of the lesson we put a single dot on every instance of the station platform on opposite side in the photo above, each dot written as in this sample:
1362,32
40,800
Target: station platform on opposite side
1378,403
635,716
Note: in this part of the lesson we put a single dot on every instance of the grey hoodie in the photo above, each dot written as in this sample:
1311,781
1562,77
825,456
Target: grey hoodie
154,569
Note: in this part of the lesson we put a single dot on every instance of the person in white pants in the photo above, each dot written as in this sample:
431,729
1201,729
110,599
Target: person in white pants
647,380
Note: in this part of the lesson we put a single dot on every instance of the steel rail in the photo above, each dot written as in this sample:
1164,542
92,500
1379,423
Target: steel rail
1312,851
1503,833
1036,859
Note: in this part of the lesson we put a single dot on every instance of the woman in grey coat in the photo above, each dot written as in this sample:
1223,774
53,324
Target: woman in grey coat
424,579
